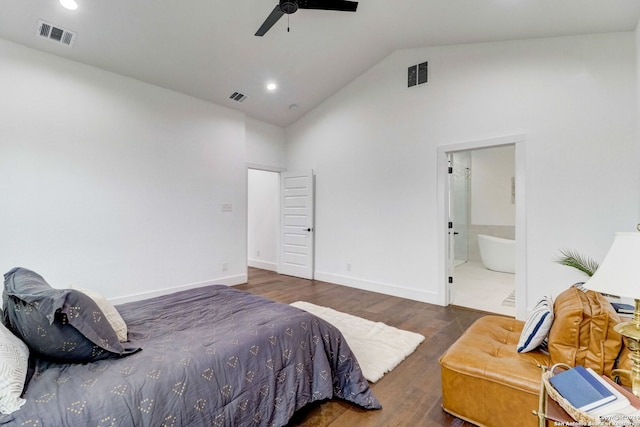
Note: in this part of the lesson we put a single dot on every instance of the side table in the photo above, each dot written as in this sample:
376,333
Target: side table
551,414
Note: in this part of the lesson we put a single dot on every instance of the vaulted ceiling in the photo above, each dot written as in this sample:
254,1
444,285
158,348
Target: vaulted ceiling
207,48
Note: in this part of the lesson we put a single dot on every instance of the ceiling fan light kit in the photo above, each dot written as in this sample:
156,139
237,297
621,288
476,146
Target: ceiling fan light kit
291,6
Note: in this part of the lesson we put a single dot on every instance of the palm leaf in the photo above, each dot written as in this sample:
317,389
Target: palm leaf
573,259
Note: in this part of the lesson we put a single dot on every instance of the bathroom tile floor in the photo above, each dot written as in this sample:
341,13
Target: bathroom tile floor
477,287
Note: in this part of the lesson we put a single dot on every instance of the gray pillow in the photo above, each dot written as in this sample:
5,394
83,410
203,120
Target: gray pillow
62,324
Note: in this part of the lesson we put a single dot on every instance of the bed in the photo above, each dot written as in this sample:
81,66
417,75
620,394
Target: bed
209,356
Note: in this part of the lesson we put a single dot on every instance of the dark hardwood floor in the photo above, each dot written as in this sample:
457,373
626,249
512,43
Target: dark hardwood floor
410,394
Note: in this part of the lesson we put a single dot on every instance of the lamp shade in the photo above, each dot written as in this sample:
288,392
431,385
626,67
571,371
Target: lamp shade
619,273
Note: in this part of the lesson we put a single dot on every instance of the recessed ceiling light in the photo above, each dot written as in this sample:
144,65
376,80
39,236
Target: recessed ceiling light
271,86
69,4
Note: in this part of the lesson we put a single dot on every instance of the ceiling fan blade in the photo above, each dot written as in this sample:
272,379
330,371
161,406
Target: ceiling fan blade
271,19
341,5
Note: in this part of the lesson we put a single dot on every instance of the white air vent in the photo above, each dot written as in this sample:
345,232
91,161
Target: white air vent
417,74
56,34
237,96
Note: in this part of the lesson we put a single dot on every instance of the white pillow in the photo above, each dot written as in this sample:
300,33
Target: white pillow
536,328
14,361
113,317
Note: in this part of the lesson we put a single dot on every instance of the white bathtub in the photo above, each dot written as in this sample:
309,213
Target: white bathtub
497,254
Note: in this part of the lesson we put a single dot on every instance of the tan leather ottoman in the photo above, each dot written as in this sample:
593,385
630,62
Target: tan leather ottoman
486,381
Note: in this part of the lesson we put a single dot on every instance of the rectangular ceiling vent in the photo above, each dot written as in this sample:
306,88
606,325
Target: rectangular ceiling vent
417,74
56,34
237,96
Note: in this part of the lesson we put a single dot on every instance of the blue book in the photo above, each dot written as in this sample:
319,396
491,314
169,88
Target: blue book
581,389
623,308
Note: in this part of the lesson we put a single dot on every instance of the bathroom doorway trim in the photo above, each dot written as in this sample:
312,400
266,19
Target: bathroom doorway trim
519,141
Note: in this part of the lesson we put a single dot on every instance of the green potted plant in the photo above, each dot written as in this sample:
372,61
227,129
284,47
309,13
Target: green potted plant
571,258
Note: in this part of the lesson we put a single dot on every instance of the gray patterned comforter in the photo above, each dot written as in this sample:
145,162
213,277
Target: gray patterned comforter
212,356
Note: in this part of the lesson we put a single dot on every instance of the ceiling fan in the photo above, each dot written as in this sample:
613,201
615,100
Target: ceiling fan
291,6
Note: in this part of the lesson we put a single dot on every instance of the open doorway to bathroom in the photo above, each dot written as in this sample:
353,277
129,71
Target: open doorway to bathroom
482,231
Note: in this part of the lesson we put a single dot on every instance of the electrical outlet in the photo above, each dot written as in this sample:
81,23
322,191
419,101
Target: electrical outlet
348,266
224,266
257,253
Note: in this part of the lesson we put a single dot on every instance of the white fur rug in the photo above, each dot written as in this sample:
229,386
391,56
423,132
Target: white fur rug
378,347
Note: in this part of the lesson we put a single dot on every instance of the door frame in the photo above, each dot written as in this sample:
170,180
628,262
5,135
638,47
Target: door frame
519,141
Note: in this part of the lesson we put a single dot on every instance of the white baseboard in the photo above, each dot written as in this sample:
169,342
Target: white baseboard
382,288
228,280
271,266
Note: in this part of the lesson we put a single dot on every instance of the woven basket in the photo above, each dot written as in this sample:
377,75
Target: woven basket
580,416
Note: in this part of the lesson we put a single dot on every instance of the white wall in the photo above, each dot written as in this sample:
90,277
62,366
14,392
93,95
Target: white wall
638,100
265,146
374,149
114,184
263,219
491,172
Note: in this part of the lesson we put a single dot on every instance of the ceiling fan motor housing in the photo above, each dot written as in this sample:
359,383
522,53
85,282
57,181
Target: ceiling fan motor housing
288,7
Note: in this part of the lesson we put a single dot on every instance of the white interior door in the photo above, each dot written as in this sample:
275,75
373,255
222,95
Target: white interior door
297,225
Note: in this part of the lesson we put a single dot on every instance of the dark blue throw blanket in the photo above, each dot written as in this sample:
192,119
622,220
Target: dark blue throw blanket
212,356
